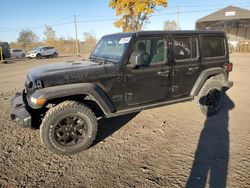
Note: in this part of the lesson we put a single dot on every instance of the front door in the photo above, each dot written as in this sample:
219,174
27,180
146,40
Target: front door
149,82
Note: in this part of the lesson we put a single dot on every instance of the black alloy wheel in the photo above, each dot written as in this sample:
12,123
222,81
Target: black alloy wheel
70,130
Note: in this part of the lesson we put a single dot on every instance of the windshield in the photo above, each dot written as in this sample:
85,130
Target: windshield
37,49
110,48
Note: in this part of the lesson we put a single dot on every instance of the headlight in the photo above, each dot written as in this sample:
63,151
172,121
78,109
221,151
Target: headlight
38,102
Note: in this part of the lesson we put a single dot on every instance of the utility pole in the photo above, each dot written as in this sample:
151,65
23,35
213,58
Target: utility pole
77,45
177,18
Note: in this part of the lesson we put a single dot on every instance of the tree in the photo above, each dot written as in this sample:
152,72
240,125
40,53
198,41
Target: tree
170,25
26,37
50,35
134,13
89,42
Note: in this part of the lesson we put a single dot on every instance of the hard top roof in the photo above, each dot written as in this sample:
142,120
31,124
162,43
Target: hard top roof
162,32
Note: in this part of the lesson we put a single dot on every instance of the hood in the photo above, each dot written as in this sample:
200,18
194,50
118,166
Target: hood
31,52
60,67
70,72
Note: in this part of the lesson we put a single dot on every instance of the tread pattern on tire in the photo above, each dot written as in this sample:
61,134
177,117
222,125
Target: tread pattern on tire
67,105
205,85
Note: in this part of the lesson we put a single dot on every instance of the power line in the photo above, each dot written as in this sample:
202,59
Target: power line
207,5
103,20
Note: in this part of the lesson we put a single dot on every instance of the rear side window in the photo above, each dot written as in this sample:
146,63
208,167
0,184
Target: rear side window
185,48
213,46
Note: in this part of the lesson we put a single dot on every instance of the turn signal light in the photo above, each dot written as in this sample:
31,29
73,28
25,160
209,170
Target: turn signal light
39,101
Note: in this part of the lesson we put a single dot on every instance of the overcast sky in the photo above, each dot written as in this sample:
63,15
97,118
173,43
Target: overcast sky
94,15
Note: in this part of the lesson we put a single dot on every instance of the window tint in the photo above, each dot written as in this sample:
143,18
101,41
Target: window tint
185,48
154,48
213,46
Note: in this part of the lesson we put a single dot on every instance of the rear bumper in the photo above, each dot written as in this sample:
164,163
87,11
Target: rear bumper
20,110
229,85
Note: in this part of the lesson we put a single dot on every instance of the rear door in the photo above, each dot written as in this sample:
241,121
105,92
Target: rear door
186,64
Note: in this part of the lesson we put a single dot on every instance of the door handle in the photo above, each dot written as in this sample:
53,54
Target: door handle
193,68
163,73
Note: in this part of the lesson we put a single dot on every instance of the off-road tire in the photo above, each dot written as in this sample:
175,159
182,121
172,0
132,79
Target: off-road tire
49,123
209,86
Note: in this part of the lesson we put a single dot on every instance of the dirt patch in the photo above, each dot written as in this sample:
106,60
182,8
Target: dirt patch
173,146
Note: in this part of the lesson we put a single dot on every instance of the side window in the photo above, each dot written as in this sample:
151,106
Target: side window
213,46
151,50
185,48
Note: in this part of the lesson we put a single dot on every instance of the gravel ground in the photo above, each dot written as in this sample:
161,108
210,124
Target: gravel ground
173,146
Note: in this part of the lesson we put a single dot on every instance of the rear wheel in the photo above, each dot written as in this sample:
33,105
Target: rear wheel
68,128
211,96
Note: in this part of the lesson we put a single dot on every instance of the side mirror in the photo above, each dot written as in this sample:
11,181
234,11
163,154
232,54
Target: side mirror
138,60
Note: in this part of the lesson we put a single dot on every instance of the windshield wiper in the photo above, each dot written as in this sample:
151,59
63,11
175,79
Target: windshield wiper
94,58
106,59
102,59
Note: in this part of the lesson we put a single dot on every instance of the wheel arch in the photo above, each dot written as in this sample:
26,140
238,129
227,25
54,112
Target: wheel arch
80,92
218,74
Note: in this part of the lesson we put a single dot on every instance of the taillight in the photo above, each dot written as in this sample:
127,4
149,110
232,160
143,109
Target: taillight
228,67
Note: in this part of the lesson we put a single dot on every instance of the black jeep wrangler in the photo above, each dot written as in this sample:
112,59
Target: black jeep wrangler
125,73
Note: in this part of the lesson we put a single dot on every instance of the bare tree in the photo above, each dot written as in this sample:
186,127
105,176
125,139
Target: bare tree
50,35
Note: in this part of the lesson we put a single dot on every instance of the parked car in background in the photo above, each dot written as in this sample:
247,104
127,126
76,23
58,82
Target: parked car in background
5,49
17,53
42,51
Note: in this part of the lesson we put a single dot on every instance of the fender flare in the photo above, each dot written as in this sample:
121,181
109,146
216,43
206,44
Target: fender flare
204,76
93,91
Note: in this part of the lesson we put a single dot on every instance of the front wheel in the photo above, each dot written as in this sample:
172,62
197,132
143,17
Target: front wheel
55,55
38,56
211,97
68,128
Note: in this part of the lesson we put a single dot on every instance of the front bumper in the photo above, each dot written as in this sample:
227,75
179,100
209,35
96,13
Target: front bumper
20,110
30,55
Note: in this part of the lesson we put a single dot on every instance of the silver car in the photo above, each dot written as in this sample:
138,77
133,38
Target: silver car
17,53
42,51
